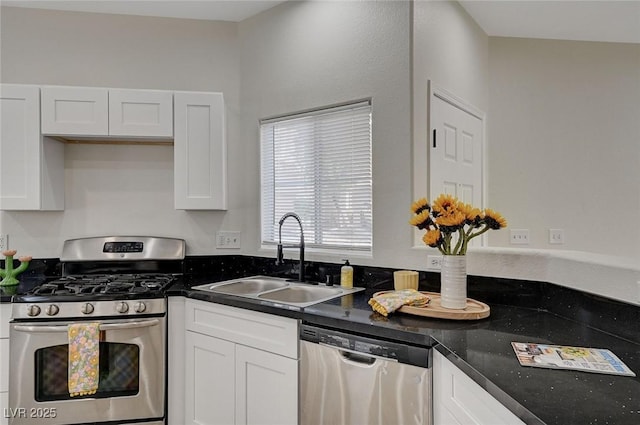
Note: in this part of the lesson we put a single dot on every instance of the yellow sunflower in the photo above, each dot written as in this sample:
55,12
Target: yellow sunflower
432,238
445,203
421,220
494,220
472,214
454,218
420,205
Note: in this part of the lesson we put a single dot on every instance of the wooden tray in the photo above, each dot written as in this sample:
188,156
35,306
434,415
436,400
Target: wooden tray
475,309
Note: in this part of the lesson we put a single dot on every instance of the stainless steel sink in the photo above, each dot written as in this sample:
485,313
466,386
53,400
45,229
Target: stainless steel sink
300,294
276,291
248,286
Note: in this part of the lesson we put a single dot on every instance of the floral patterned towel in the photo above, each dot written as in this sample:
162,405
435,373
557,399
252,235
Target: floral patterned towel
389,302
84,354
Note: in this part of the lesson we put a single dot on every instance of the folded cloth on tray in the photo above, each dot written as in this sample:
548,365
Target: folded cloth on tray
84,356
388,302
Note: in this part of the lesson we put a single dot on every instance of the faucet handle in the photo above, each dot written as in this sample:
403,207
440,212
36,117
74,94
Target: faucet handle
279,256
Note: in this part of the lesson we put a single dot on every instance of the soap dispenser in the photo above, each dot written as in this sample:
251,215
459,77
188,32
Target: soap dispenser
346,275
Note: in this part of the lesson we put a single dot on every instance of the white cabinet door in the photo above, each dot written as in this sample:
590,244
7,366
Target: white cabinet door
75,111
5,315
228,380
140,113
200,151
458,400
266,388
210,380
31,166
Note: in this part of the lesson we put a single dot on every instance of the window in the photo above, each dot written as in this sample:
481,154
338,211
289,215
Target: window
317,164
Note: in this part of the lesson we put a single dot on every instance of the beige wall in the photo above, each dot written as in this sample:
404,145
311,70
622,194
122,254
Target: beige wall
301,55
121,189
307,54
564,142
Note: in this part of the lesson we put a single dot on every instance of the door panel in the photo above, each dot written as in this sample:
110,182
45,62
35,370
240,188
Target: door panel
456,152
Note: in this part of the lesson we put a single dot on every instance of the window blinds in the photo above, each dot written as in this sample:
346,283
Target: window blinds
318,165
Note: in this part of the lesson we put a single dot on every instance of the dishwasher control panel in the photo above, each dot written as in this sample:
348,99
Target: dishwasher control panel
399,352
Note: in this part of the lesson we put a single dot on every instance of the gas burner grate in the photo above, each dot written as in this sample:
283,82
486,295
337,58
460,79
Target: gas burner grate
105,284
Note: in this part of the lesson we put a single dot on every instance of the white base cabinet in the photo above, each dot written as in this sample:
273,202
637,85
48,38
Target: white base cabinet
5,315
31,166
458,400
240,367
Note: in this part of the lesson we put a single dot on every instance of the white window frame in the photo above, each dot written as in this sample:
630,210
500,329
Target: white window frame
307,134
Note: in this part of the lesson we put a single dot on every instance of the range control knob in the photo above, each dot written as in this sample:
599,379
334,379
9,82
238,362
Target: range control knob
122,307
52,310
87,308
139,307
33,310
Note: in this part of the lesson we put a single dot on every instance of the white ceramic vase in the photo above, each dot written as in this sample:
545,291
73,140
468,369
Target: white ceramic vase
453,282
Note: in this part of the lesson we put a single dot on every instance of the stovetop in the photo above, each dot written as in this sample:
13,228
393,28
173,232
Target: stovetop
102,276
147,283
100,287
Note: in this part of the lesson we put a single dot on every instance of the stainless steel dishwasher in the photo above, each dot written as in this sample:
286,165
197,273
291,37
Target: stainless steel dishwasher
354,380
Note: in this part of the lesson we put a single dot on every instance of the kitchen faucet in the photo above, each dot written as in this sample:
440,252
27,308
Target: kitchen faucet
279,259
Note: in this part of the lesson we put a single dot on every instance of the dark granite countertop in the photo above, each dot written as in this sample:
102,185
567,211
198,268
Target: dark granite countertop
522,311
482,349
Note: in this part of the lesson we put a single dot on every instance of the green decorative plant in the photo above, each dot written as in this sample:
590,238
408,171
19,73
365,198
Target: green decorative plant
8,274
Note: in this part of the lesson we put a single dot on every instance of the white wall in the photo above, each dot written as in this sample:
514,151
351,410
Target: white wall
121,189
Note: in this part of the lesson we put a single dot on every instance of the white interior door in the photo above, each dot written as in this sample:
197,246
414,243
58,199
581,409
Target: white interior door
455,160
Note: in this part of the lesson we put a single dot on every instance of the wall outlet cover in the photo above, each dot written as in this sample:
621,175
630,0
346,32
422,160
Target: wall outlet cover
519,236
228,240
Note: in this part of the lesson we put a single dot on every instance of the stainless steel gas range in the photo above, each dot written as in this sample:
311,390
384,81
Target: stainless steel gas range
90,347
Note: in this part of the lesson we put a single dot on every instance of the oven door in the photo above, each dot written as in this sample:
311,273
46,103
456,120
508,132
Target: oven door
131,373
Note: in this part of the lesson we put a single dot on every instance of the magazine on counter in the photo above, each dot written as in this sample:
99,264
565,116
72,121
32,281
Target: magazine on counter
596,360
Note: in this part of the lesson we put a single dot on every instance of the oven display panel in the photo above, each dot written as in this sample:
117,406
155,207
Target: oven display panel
119,247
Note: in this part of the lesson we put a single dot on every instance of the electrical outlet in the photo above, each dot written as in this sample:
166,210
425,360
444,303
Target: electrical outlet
4,241
434,262
556,236
227,239
519,236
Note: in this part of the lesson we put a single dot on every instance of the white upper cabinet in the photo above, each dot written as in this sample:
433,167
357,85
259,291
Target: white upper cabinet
31,166
90,112
35,119
144,113
75,111
200,151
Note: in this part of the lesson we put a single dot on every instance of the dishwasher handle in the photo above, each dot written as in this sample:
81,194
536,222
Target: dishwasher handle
360,347
357,356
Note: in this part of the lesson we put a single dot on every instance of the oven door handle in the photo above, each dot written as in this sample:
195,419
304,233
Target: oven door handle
103,326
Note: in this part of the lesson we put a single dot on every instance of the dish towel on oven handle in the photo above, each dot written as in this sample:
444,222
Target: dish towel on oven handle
84,356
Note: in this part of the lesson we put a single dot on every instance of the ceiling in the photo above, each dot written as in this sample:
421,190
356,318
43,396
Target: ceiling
601,20
592,20
214,10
